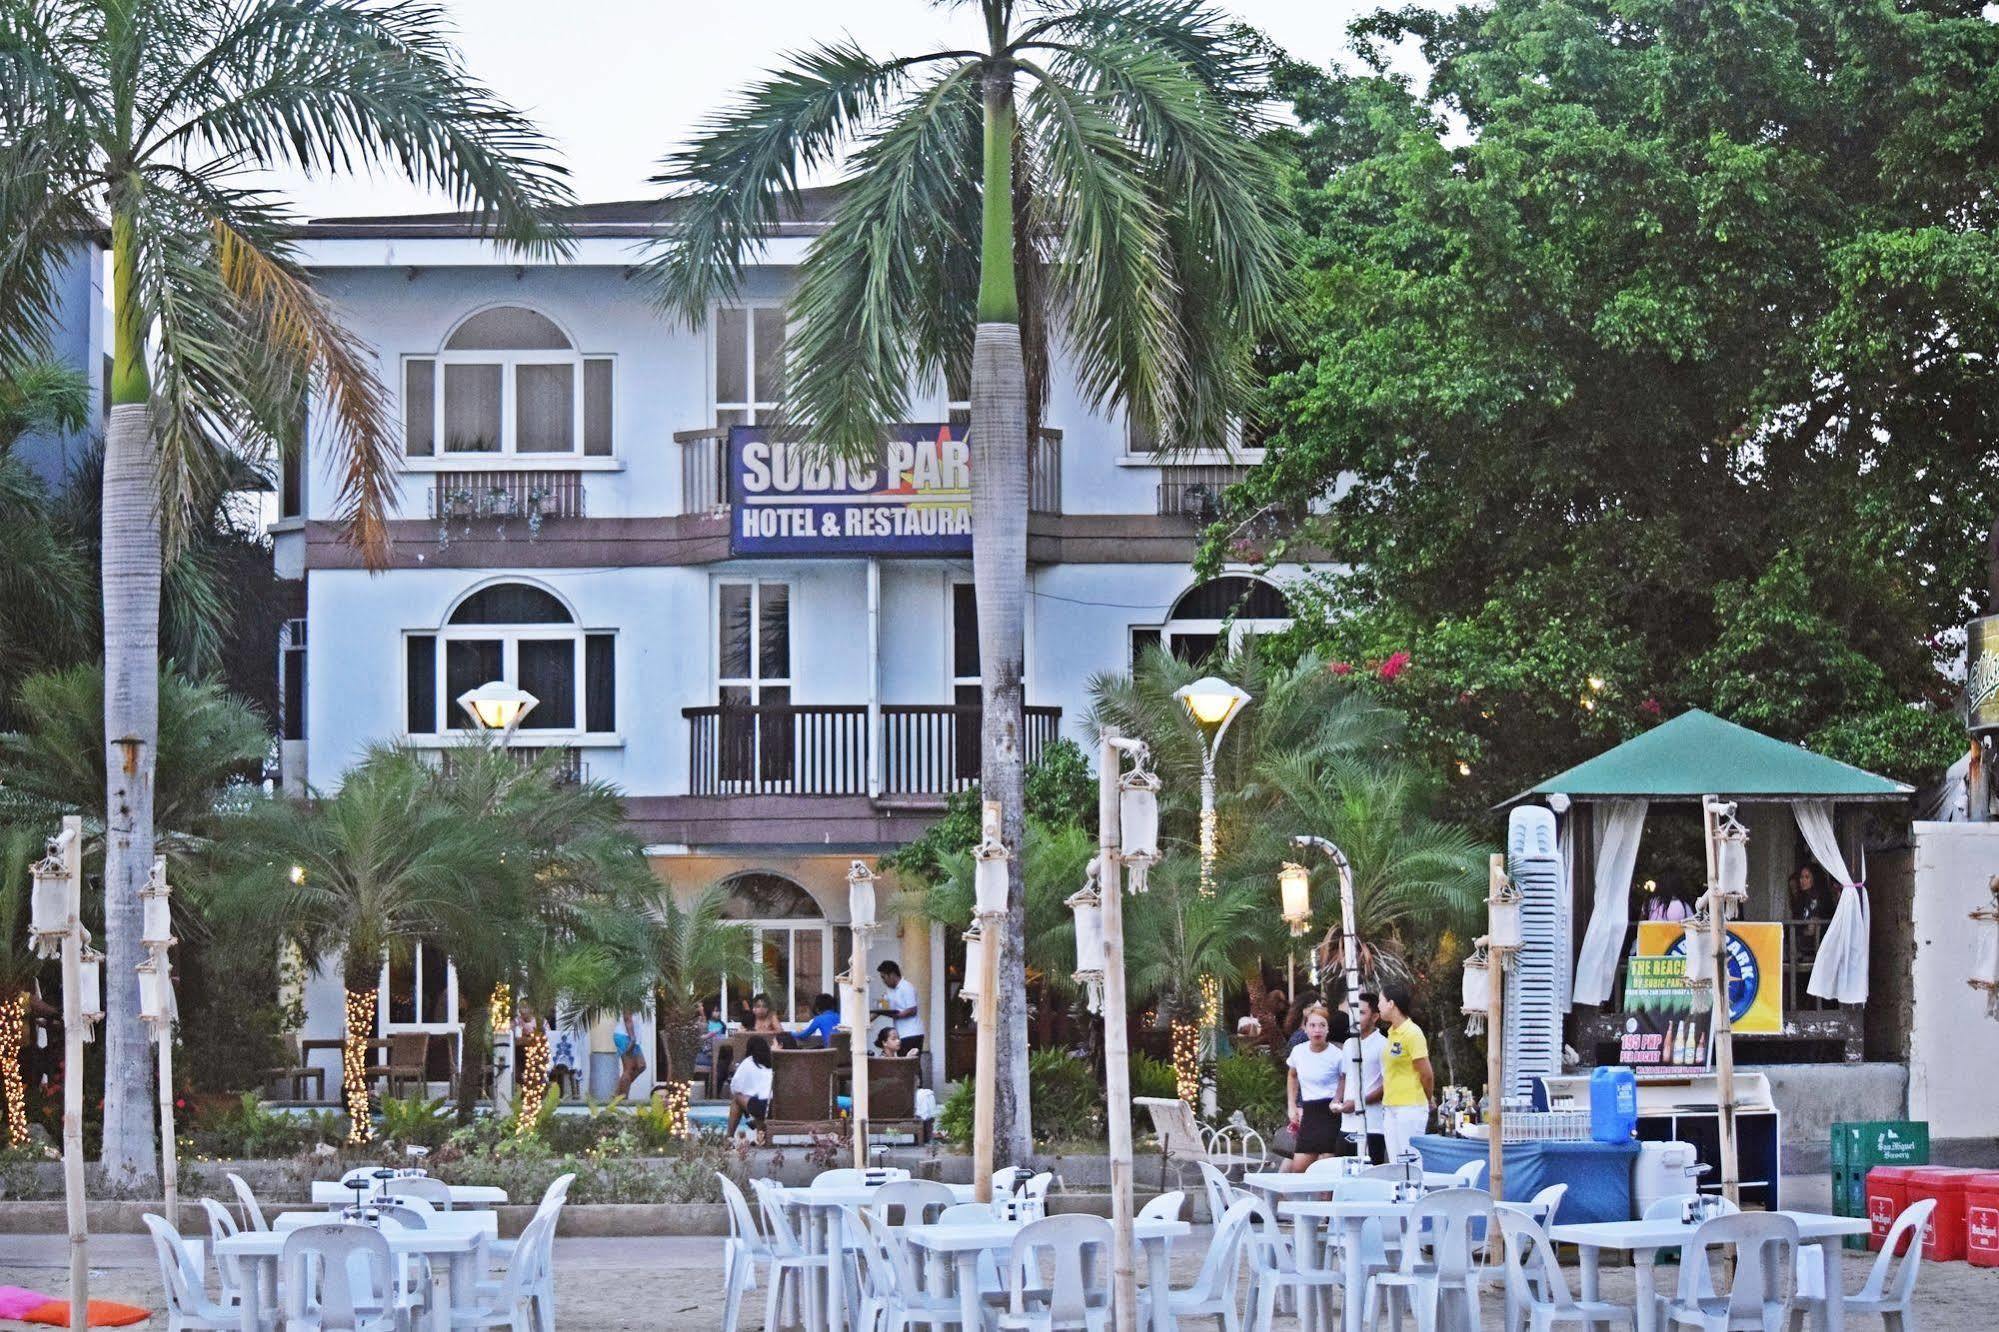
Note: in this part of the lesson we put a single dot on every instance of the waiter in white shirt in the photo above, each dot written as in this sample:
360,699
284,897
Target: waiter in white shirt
1369,1112
899,1003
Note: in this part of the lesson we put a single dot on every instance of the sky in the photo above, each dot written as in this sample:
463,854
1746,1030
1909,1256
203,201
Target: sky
619,83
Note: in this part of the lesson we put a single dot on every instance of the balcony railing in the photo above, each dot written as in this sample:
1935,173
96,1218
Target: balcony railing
822,749
525,494
704,471
568,767
1196,492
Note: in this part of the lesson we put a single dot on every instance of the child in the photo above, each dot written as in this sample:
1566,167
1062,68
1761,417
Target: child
749,1088
889,1042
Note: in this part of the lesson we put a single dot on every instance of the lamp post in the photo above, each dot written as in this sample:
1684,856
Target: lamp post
989,894
1349,950
1503,939
861,914
1211,704
1728,888
157,1010
57,926
497,706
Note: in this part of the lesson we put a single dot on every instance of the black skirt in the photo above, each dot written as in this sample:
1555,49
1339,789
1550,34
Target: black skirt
1318,1128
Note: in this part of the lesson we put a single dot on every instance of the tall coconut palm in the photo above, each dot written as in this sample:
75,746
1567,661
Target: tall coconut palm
1124,210
364,875
151,114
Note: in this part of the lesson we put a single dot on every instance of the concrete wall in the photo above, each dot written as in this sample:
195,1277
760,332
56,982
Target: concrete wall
1953,1046
1814,1097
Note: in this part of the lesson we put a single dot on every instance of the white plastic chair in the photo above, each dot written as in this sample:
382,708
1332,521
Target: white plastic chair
189,1309
512,1302
892,1291
1890,1287
1030,1201
433,1191
1164,1207
246,1203
502,1251
1275,1268
1537,1287
790,1261
355,1289
1437,1257
1221,1194
966,1214
1007,1179
1213,1293
911,1202
1470,1175
1544,1205
1761,1295
741,1252
1073,1291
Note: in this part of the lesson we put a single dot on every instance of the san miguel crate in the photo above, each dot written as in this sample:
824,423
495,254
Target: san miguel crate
1860,1146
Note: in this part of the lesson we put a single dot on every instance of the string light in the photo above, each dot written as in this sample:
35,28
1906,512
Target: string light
533,1078
13,1036
1187,1060
500,1008
1208,852
1211,1001
354,1066
675,1097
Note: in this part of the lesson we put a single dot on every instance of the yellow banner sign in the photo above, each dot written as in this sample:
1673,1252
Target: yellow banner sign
1755,970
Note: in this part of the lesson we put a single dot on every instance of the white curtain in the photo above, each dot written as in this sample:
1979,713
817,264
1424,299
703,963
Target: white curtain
1839,971
1619,823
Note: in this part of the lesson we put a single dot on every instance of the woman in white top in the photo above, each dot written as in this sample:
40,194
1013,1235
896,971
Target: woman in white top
750,1087
1313,1080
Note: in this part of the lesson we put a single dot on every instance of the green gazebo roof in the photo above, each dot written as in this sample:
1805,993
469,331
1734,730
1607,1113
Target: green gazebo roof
1697,754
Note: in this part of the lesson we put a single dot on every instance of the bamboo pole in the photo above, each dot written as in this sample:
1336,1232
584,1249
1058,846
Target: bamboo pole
857,1039
1495,1045
1117,1057
985,1081
1724,1025
72,1079
163,1033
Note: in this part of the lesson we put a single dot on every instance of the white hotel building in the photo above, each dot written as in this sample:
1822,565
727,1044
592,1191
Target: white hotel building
567,522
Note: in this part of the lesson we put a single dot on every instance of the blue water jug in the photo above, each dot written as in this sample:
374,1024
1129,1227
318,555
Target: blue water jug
1613,1104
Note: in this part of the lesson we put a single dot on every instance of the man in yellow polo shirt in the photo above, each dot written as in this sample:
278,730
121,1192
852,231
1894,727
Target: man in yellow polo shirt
1406,1077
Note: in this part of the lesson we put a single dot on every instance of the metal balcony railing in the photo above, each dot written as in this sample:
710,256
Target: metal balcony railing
822,749
1196,492
510,494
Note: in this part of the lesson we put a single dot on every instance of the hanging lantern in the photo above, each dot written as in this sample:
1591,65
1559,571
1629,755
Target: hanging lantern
90,984
989,880
156,896
1477,990
1700,960
1294,894
155,992
49,907
975,966
1088,904
1138,818
1503,916
861,896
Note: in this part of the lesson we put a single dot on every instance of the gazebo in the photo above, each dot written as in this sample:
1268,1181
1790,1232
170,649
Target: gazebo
1796,804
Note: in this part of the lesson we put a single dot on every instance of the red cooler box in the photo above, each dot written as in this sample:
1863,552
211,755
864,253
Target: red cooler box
1981,1219
1887,1195
1944,1241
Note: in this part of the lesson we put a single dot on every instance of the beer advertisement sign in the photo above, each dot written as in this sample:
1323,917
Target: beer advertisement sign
1662,1027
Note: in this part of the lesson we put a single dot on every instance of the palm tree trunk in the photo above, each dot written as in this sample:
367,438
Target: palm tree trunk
131,735
475,1050
999,574
360,1013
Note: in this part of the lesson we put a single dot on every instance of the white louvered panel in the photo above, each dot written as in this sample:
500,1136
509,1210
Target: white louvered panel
1534,988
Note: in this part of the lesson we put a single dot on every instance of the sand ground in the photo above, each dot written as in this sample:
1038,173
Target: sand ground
674,1285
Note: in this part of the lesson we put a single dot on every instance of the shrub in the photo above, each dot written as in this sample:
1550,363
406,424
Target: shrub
415,1121
1251,1083
1067,1101
1153,1077
247,1129
954,1117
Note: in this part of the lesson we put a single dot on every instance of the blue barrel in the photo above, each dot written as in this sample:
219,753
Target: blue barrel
1613,1104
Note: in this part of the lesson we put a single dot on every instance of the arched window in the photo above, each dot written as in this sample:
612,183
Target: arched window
507,381
524,636
792,945
1214,616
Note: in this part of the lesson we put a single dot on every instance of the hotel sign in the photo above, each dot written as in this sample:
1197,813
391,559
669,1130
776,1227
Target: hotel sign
914,498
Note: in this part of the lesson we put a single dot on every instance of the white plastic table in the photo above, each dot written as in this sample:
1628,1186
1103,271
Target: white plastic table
1276,1185
1642,1239
963,1243
1352,1217
331,1192
822,1207
482,1223
453,1255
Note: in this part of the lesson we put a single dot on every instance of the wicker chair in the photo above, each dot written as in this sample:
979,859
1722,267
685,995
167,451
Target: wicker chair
892,1095
408,1061
801,1099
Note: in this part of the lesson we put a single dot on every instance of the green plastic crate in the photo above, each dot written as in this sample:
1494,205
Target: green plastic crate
1862,1145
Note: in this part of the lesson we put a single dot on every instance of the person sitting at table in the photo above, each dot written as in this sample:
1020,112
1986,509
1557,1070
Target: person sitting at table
750,1088
818,1033
764,1020
713,1029
1310,1085
888,1041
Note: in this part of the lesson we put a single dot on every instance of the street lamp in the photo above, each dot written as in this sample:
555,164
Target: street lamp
1088,904
1211,703
1294,895
497,705
861,917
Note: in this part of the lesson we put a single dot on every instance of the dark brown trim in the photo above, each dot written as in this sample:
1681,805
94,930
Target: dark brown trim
582,543
830,824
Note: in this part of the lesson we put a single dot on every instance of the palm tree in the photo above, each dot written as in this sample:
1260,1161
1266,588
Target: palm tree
1054,862
1124,207
20,847
152,114
363,875
1180,937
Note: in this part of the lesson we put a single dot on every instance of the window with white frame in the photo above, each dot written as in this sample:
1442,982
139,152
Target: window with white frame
508,381
1215,616
521,635
753,677
749,363
419,990
792,946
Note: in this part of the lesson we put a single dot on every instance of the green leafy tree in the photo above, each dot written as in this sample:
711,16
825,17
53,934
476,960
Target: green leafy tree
669,955
151,116
1614,305
1123,206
